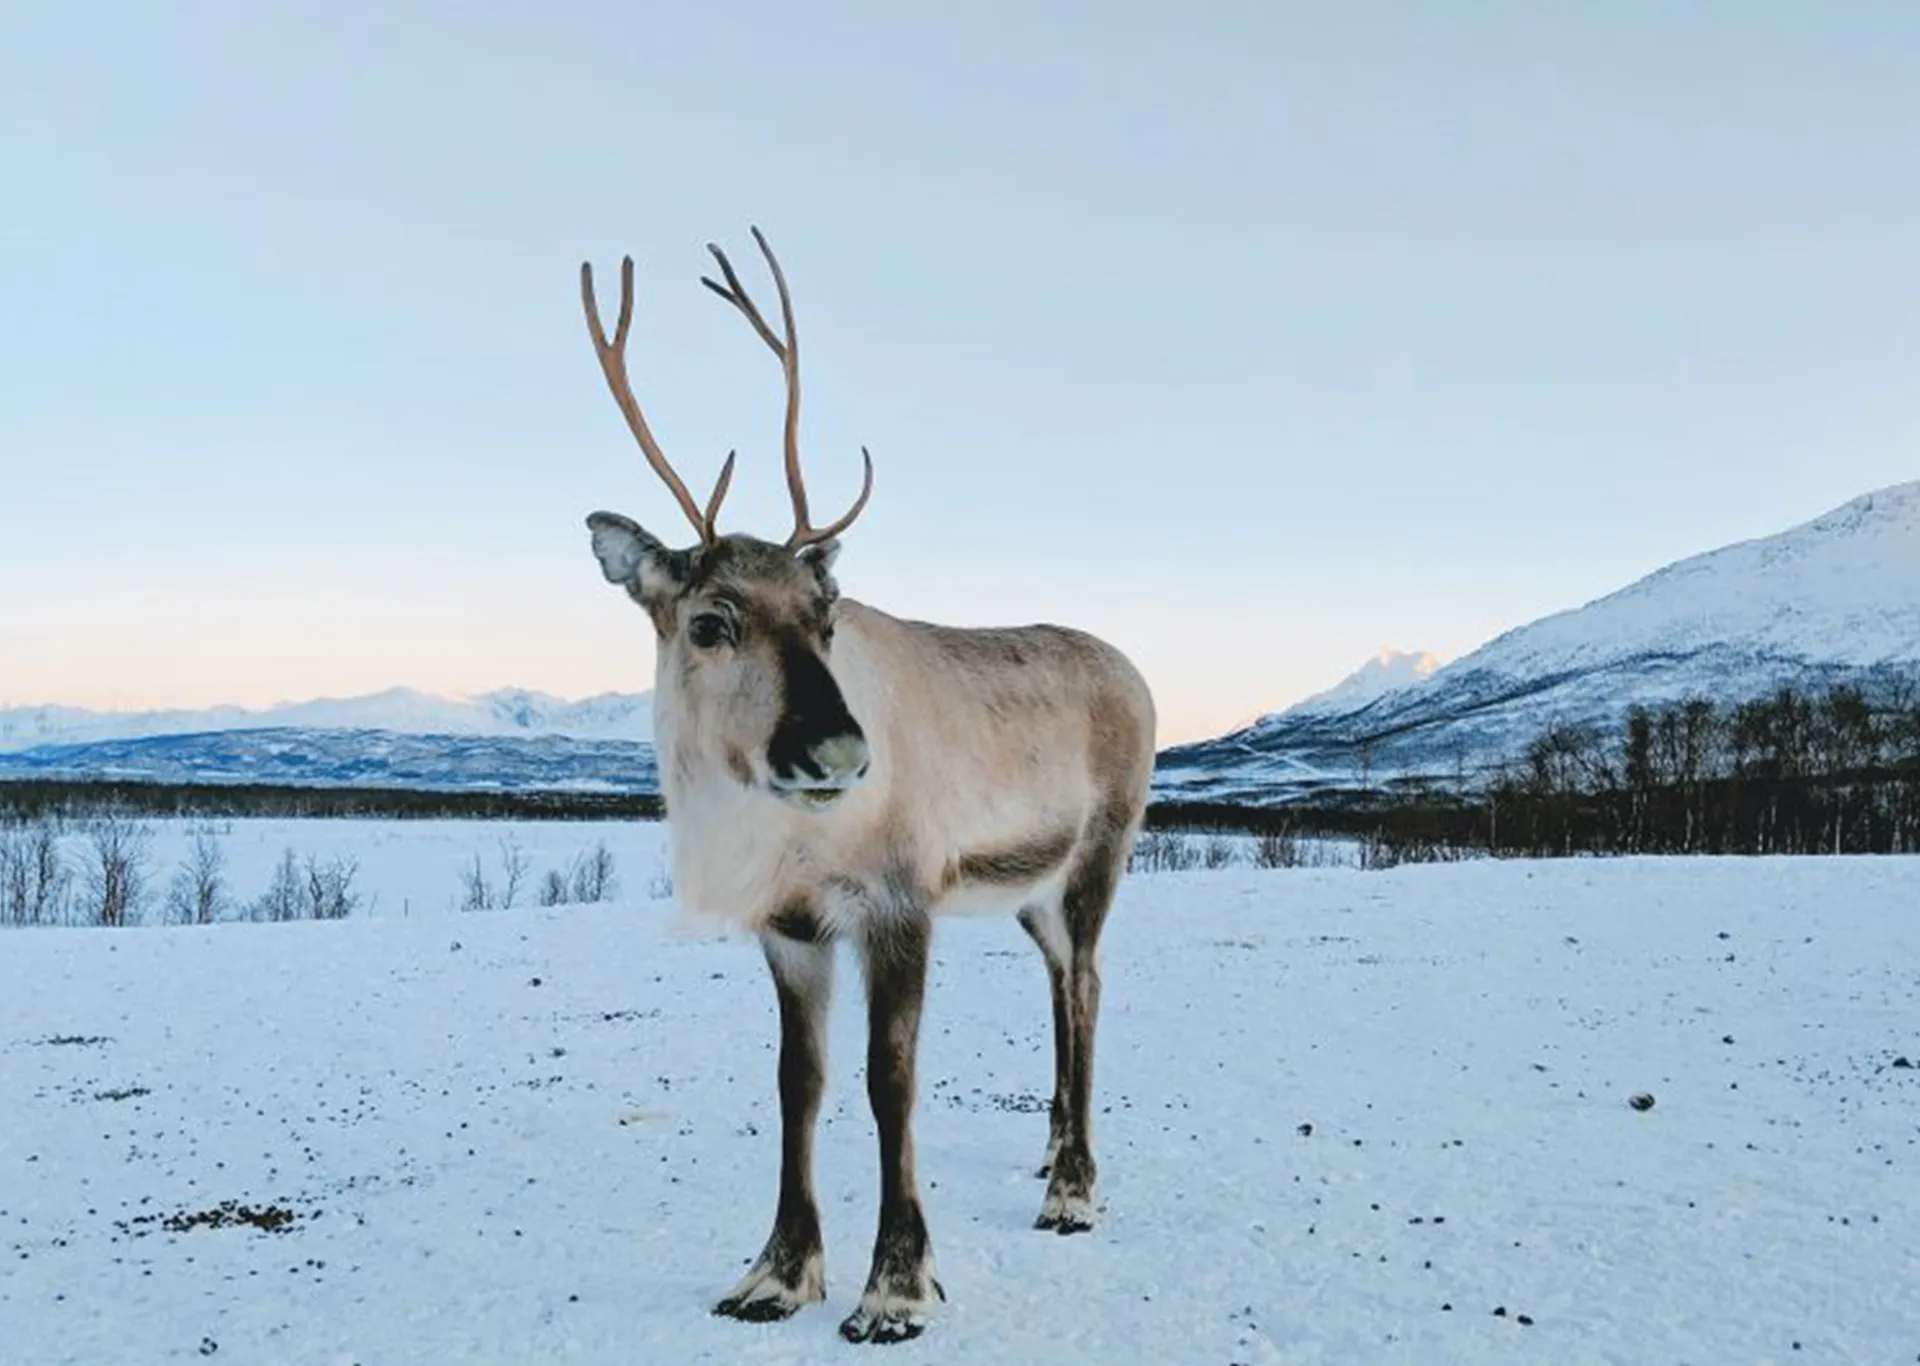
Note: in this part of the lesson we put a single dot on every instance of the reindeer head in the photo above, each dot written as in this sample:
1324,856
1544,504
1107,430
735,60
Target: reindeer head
744,626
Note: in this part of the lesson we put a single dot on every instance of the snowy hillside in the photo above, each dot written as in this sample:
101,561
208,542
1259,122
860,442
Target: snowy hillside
1346,1117
507,712
1836,599
1843,589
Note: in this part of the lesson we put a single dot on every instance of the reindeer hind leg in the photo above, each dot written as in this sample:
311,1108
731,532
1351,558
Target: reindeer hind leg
1091,882
1046,926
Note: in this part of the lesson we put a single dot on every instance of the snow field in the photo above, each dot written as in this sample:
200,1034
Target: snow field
1333,1104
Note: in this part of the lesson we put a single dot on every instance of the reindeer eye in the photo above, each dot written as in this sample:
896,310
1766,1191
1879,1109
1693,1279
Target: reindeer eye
708,629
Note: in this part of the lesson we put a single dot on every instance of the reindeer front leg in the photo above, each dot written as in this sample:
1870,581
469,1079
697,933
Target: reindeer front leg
901,1288
791,1271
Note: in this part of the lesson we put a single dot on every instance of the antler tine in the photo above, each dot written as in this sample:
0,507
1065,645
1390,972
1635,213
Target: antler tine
613,364
788,351
720,488
804,535
736,294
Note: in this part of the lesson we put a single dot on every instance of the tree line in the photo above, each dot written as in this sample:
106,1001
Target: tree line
30,798
1795,772
1835,772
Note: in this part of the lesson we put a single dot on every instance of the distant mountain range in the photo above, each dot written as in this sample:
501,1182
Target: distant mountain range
510,740
1834,600
301,756
507,712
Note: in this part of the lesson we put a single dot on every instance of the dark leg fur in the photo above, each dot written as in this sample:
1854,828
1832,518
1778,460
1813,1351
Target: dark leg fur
901,1288
1062,1039
1069,1204
790,1272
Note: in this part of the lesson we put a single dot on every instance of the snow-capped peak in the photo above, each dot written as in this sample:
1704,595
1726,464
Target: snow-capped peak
1388,671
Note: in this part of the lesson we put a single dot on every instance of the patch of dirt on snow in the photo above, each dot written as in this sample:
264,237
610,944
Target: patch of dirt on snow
226,1214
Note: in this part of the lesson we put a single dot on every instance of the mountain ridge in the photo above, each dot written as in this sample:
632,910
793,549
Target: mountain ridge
502,712
1833,599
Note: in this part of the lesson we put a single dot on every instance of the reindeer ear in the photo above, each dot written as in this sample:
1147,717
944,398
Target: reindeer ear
819,557
633,558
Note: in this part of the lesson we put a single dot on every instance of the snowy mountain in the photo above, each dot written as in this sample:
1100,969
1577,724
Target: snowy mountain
353,758
510,740
1386,672
1836,599
402,711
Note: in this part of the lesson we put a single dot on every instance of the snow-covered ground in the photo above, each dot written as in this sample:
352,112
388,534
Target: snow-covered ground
1346,1118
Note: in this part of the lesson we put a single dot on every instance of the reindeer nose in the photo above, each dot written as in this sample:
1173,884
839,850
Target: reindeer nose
841,759
820,772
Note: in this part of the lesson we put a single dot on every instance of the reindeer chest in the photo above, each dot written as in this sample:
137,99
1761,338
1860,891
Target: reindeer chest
742,858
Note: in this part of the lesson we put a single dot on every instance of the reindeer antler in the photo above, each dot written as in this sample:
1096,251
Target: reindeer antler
613,363
804,532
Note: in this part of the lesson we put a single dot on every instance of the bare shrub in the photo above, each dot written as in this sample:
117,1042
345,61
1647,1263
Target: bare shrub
1218,852
479,892
553,888
1380,850
1164,851
660,885
330,894
476,891
115,873
286,895
198,892
13,875
1277,847
593,876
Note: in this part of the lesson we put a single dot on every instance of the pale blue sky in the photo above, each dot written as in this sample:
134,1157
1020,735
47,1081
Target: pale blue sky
1254,336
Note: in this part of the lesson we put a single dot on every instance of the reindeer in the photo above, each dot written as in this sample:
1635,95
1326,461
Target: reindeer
833,772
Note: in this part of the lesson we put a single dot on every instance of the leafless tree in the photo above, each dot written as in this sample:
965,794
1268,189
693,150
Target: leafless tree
285,897
116,869
198,894
513,870
34,879
477,892
330,894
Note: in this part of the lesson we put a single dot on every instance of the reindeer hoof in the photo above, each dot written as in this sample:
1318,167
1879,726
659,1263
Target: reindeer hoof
884,1328
765,1296
1064,1224
770,1310
1064,1214
885,1318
